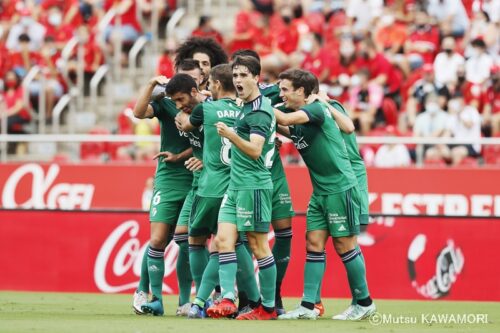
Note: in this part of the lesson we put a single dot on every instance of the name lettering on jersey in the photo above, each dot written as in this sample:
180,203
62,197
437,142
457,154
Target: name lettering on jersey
228,113
299,142
184,134
194,140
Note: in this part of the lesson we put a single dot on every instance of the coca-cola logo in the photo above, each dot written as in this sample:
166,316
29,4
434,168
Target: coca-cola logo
118,264
45,193
448,266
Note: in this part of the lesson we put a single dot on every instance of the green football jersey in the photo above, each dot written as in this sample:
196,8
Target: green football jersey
246,173
196,142
357,163
171,175
321,145
214,178
271,91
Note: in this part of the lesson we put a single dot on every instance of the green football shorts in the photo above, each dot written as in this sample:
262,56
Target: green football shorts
204,215
166,205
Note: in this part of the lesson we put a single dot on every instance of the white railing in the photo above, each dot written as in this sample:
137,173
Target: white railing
172,23
56,113
139,45
99,75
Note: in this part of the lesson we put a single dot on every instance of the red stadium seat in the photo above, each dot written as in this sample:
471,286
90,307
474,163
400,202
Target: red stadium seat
435,163
469,162
491,154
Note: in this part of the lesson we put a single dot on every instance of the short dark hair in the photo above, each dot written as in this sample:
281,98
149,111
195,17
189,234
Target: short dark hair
188,65
204,45
478,42
301,78
24,38
224,74
245,52
180,83
249,62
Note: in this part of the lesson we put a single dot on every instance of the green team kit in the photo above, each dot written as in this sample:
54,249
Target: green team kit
334,205
248,200
172,180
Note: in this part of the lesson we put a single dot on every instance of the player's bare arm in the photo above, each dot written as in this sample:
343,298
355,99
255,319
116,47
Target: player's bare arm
252,148
142,108
169,157
283,130
183,123
292,118
345,123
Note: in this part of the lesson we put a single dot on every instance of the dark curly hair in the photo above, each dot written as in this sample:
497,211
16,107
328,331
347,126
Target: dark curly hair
208,46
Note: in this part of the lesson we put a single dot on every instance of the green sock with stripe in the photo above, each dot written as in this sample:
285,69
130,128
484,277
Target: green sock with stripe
198,259
144,280
356,274
183,269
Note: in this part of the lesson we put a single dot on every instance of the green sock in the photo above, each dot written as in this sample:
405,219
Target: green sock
245,276
209,280
267,278
144,281
356,273
353,301
184,272
313,274
228,266
318,293
281,253
156,270
198,259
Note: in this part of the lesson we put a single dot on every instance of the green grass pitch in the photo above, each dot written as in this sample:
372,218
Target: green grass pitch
76,313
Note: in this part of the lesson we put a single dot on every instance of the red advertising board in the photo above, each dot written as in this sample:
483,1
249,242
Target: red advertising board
411,191
406,258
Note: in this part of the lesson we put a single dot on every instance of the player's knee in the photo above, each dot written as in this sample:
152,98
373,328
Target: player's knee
223,244
344,244
200,240
158,242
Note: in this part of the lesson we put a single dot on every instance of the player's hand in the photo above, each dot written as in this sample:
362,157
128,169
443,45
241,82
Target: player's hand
193,164
168,157
179,119
278,143
162,80
207,93
223,130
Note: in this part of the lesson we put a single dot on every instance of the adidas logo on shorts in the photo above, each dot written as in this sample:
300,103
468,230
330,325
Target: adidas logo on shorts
248,224
341,228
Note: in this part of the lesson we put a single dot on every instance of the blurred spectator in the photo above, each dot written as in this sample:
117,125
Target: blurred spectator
448,62
26,25
491,113
482,28
205,29
317,59
418,93
450,15
381,70
125,18
478,66
345,61
365,100
12,103
362,13
392,155
165,62
492,8
55,28
23,60
464,123
423,42
432,123
244,19
8,12
390,35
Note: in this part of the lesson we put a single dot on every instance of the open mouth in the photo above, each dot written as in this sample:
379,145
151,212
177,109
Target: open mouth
239,88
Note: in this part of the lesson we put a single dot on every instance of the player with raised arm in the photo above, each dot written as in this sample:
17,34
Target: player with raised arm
247,204
213,184
334,207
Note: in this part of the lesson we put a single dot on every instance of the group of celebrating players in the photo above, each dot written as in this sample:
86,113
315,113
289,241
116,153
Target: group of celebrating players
220,178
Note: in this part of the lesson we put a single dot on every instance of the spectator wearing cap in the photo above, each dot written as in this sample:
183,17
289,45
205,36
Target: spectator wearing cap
433,123
423,41
392,155
26,25
464,123
365,100
450,15
448,62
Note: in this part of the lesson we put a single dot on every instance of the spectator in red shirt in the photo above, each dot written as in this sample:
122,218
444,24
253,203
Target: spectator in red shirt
23,60
244,21
55,28
12,103
26,25
381,70
8,12
423,42
165,63
126,16
492,107
205,29
317,59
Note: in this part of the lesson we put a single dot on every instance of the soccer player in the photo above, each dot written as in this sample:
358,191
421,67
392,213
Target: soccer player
206,50
171,186
247,204
282,212
334,207
213,183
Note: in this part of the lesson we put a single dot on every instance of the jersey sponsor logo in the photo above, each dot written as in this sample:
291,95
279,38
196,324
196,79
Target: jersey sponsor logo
184,134
118,263
45,192
228,113
194,140
299,142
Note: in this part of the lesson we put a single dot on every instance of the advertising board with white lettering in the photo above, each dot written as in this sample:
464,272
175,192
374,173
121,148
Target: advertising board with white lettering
406,258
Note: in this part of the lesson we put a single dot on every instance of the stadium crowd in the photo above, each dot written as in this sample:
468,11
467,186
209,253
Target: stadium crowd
402,67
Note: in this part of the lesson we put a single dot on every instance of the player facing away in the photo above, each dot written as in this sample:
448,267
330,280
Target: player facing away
282,213
214,180
334,208
247,204
171,186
